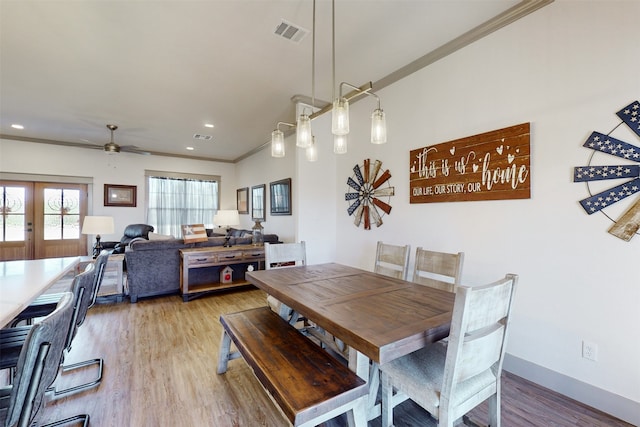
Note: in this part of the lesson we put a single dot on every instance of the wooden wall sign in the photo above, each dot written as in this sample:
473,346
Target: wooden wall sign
490,166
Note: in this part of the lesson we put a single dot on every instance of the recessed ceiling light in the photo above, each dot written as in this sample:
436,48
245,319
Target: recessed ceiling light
208,125
190,148
17,126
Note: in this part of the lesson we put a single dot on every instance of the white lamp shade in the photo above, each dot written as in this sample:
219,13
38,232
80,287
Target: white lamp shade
98,225
340,117
340,144
226,218
277,143
303,131
378,127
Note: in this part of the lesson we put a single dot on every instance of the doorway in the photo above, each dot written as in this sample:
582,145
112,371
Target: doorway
41,220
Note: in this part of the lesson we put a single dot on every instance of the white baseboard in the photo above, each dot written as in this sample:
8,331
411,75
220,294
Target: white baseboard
605,401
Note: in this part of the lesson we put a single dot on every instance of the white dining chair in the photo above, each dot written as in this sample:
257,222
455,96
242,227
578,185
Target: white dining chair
283,255
392,260
449,381
440,270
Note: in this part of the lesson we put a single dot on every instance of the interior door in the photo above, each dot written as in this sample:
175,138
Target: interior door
58,213
16,220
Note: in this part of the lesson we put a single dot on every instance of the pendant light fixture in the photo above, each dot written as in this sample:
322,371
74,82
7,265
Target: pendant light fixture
304,134
378,126
340,144
311,152
303,130
277,140
340,116
339,113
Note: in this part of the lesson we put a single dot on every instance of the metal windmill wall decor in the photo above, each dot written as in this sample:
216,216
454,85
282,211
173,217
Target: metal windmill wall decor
369,194
627,225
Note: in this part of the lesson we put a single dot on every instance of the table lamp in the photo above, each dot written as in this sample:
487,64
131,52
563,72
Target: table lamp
226,218
97,225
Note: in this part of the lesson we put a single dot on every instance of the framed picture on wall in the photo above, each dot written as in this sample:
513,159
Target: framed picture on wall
280,193
242,200
257,202
120,195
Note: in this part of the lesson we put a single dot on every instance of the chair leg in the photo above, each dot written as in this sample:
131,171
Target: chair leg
80,387
494,409
84,418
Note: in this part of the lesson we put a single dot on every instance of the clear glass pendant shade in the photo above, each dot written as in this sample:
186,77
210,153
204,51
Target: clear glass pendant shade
303,131
378,127
311,152
340,117
340,144
277,143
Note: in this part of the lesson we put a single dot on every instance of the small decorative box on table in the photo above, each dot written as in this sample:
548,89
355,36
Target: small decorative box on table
200,268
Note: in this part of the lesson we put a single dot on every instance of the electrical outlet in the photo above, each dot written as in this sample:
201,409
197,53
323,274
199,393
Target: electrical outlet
590,350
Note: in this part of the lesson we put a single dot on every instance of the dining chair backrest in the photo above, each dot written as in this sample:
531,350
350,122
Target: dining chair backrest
82,288
438,270
392,260
38,363
476,348
99,265
284,255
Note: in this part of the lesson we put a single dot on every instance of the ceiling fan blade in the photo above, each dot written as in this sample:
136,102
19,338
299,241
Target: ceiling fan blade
133,149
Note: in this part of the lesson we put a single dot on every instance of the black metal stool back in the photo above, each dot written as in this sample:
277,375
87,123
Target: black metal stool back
38,364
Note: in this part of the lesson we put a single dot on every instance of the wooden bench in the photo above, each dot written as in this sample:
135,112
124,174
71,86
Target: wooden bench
308,384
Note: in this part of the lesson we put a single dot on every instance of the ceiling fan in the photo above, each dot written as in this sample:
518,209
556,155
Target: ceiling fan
112,147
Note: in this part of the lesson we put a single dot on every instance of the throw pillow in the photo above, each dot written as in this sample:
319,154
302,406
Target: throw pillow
193,233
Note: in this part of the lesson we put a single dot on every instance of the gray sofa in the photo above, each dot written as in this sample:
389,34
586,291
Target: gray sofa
153,266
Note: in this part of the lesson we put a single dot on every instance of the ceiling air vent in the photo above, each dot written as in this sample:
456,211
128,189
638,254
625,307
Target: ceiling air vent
289,31
201,137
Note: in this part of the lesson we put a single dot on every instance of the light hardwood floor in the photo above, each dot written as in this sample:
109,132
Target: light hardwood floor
160,370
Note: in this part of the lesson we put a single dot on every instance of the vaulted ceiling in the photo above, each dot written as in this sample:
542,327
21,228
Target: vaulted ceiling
161,70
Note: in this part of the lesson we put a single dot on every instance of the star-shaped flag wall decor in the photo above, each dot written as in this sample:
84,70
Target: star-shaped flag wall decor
627,225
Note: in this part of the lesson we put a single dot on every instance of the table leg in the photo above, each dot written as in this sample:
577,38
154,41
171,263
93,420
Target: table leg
369,371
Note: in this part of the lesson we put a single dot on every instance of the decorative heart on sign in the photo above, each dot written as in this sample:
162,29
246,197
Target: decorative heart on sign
499,149
452,150
510,158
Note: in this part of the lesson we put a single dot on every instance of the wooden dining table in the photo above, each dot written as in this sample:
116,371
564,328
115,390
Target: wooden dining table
378,317
23,281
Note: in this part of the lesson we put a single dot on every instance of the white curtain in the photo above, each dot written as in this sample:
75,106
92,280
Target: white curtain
174,202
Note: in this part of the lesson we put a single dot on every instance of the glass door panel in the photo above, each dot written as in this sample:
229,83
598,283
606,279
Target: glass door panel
16,214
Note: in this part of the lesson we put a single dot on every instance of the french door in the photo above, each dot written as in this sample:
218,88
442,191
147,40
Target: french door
41,220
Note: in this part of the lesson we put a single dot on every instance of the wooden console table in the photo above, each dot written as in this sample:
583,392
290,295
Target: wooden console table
240,258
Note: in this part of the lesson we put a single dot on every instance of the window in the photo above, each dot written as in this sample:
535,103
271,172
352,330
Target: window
61,214
174,200
12,208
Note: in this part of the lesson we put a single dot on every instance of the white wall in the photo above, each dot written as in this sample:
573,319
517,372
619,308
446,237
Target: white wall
566,69
121,168
261,168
